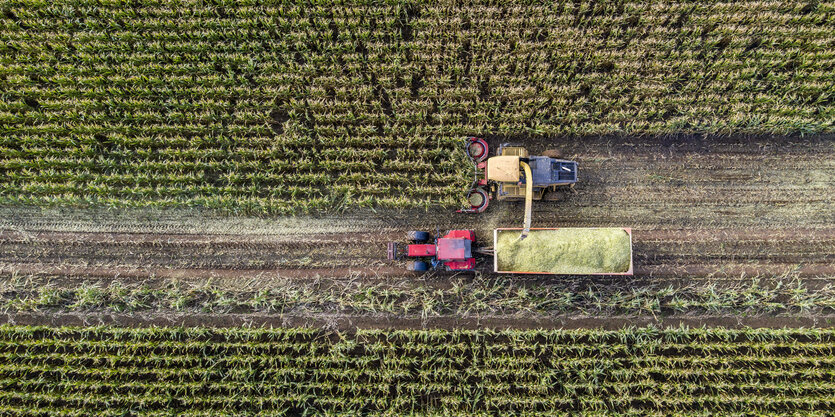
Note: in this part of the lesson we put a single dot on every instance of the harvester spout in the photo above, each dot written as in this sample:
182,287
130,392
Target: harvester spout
528,198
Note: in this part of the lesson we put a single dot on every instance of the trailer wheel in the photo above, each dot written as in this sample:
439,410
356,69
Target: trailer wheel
477,149
553,153
417,266
417,236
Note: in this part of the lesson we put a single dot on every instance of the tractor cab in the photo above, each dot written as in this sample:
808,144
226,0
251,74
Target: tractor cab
453,251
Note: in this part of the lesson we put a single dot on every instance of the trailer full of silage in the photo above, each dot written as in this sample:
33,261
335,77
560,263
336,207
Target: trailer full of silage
580,251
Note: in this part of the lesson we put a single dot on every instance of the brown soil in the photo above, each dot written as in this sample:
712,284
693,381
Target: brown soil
700,209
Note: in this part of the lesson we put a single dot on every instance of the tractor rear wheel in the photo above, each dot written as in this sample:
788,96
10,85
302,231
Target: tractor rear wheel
417,236
553,153
417,266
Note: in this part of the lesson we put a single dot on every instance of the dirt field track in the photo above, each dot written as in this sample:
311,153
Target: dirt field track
701,209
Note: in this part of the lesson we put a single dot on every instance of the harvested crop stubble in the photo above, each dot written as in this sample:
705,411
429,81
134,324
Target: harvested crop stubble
565,251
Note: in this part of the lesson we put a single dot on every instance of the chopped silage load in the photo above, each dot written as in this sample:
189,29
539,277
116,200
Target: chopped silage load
565,251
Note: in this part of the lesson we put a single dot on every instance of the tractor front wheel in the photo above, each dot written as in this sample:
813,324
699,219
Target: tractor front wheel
417,266
417,236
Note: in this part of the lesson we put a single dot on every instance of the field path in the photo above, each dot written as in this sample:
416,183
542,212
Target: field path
700,209
696,207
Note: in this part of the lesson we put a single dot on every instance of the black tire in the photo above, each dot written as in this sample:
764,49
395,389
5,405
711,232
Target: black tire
417,266
553,153
417,236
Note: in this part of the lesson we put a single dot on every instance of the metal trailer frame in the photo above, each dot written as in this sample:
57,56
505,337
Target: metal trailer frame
628,231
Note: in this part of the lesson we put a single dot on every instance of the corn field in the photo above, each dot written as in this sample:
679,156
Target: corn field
292,371
290,107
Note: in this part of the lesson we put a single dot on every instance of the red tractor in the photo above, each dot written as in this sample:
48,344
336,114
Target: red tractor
453,251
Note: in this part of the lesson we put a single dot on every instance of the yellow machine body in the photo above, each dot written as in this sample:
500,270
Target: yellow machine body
503,168
506,169
515,192
515,151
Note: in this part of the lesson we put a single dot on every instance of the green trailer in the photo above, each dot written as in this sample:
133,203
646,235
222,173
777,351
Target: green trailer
563,251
